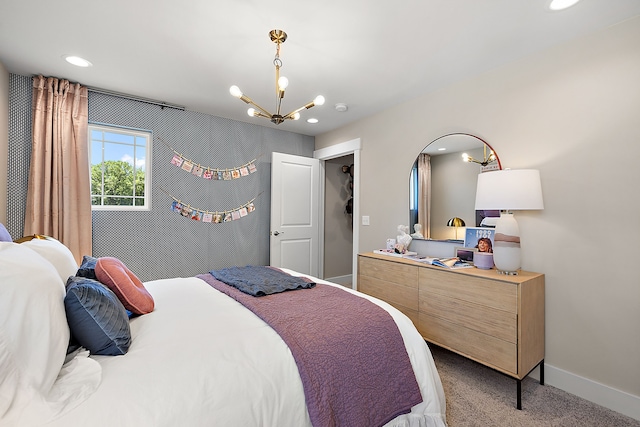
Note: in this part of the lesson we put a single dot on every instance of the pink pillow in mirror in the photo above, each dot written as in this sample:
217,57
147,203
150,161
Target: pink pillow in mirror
128,288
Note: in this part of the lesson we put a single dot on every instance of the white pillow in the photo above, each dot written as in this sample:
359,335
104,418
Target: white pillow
34,333
57,254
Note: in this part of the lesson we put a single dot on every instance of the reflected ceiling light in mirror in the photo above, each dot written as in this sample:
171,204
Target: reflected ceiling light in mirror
278,37
487,159
561,4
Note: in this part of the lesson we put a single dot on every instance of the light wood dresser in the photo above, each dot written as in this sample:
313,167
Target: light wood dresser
494,319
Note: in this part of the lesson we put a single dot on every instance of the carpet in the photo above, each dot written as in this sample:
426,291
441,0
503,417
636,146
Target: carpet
479,396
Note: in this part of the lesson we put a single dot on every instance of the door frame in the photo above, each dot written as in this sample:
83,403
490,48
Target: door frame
339,150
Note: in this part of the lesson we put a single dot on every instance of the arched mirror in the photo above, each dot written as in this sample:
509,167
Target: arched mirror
442,185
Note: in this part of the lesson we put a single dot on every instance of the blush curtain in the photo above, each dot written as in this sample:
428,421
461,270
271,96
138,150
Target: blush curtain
424,194
59,190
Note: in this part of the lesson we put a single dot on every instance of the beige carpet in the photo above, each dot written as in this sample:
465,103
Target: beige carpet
479,396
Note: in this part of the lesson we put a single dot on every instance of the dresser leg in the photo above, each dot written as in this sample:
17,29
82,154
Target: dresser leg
519,384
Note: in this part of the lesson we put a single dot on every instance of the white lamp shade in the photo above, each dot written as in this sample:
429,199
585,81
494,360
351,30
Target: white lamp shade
509,189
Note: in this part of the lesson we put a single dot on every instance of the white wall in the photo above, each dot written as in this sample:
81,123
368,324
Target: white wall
573,113
4,139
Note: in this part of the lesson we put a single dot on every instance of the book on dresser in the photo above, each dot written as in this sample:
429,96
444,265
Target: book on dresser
451,263
392,252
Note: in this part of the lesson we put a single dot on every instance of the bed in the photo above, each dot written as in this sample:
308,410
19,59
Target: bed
197,357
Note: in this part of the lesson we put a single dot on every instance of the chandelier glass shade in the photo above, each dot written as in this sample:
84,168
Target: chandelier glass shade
278,37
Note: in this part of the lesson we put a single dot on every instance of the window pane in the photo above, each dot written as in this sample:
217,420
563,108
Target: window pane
96,152
141,154
119,137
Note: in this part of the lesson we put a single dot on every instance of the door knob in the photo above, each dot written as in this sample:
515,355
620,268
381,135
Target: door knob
275,233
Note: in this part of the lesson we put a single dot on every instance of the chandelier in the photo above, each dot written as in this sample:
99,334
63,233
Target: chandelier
278,37
487,158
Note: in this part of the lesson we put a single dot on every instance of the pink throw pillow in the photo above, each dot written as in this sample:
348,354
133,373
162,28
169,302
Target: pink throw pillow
128,288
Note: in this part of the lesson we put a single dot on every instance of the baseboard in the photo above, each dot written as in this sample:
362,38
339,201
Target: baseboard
616,400
341,280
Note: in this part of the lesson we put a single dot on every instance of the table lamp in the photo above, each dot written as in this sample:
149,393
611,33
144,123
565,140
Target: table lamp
456,222
508,190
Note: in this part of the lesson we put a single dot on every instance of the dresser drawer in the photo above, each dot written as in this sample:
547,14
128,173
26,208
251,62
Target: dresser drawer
483,348
476,290
389,271
392,293
487,320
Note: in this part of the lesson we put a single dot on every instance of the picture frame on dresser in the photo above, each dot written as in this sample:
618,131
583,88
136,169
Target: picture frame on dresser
465,254
474,234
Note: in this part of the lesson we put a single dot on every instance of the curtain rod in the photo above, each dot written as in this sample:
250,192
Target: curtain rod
135,98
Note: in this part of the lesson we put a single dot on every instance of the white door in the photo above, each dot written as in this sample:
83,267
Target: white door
295,213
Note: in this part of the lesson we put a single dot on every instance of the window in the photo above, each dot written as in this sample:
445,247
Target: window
413,196
120,165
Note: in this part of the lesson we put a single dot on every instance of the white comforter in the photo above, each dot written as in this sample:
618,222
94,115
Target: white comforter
202,359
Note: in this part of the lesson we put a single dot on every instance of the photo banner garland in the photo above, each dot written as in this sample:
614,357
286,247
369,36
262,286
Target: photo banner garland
207,172
216,217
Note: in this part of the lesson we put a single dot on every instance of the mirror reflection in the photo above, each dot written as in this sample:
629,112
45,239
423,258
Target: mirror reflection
442,185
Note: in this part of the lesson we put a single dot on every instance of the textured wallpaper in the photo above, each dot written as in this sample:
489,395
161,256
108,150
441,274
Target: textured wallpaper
161,243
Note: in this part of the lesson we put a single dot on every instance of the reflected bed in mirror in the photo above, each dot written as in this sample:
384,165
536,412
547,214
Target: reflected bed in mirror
442,183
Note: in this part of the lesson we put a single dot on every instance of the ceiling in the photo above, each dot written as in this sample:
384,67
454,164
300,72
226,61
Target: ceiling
367,54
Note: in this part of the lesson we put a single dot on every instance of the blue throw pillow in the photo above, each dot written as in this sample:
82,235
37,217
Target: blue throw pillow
88,267
97,319
4,234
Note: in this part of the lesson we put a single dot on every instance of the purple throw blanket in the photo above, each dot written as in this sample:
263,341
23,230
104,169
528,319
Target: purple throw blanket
350,355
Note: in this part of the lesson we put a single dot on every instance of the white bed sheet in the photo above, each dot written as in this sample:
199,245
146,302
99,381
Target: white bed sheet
228,368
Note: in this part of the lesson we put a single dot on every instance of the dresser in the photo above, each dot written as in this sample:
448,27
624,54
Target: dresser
494,319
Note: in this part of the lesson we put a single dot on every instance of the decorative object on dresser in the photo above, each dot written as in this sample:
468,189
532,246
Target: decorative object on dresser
403,240
483,260
496,320
508,190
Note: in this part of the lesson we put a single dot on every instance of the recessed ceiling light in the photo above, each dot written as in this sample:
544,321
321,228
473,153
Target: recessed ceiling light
77,61
561,4
312,120
442,149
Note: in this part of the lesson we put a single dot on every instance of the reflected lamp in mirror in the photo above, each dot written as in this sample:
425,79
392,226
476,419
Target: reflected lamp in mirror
508,190
456,222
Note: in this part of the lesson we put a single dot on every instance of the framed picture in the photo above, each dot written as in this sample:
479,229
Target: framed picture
465,254
480,238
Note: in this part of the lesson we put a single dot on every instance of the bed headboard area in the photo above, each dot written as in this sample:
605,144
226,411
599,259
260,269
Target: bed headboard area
160,243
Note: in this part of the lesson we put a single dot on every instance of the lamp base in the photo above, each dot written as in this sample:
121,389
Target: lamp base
506,244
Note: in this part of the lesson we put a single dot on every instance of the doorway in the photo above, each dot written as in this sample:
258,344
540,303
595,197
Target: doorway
338,220
348,148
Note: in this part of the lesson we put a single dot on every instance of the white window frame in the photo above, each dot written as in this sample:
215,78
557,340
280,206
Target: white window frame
148,135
